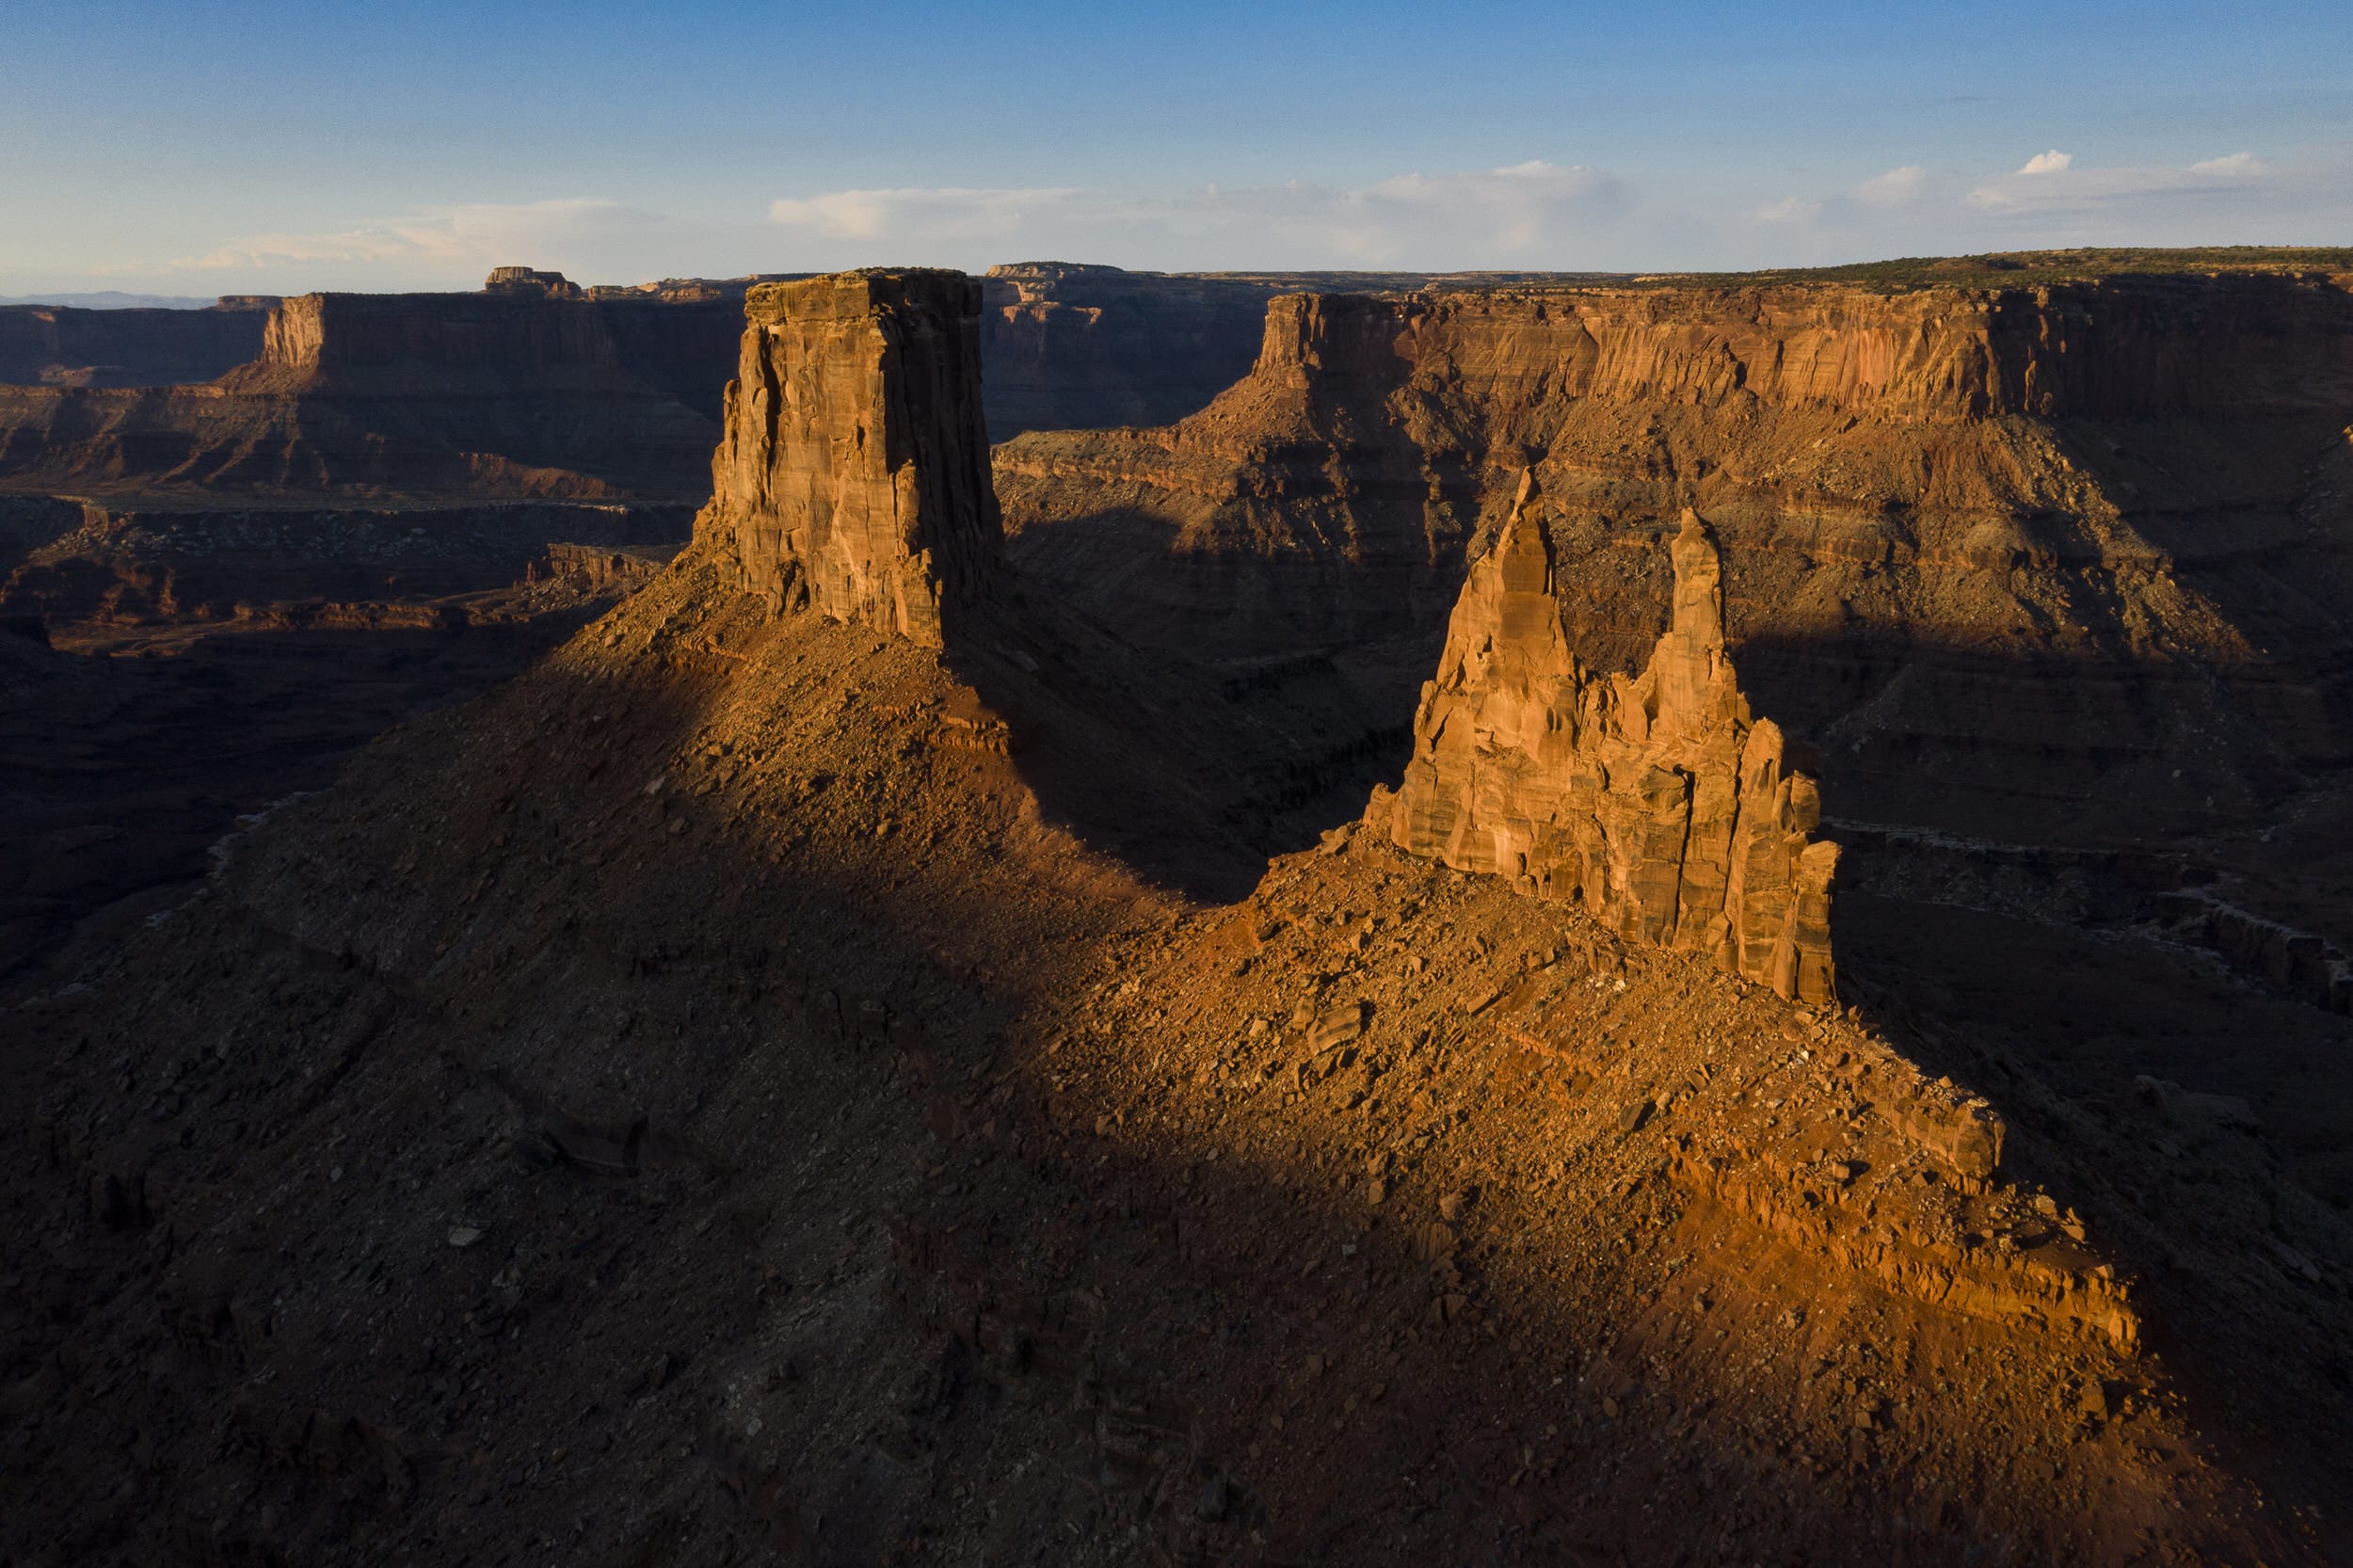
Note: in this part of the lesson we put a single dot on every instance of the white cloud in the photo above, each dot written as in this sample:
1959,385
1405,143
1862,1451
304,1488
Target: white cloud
943,213
476,233
1534,214
1915,211
1789,209
2086,194
1897,187
1894,188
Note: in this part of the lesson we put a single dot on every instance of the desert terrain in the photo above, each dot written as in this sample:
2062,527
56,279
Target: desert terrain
1094,917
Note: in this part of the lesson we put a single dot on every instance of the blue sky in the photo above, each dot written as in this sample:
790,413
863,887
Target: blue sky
197,149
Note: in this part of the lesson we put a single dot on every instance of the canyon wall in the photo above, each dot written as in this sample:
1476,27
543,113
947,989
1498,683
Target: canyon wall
852,474
1073,346
512,340
2131,348
63,346
1078,347
2075,531
536,386
1657,800
516,394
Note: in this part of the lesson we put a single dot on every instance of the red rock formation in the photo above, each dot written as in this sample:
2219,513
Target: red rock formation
529,280
1657,800
2122,349
1382,431
854,475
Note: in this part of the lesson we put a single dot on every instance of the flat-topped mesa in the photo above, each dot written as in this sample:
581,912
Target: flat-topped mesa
1657,800
853,473
530,281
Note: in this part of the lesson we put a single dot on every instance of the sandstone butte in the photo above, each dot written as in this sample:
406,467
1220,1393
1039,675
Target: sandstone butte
853,472
1657,800
851,478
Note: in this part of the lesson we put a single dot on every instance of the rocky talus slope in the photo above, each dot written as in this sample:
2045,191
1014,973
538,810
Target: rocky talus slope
173,670
1657,800
772,1133
727,1095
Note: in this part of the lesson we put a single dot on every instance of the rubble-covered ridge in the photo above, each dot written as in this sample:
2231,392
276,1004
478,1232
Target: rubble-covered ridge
853,472
1657,800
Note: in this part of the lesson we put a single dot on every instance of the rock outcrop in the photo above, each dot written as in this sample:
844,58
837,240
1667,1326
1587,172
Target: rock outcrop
531,281
1380,434
1657,800
853,475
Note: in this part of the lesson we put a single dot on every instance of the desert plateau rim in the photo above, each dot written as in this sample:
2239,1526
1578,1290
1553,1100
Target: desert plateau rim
1428,918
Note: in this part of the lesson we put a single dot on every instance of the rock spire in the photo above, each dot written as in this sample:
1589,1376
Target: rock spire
1657,800
853,475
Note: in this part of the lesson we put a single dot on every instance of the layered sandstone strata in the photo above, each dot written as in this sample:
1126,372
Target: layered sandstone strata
1074,346
853,475
1657,800
1964,530
64,346
1081,347
518,392
530,281
1958,430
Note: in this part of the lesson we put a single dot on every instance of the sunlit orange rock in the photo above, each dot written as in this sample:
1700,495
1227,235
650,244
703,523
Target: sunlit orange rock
1657,800
853,475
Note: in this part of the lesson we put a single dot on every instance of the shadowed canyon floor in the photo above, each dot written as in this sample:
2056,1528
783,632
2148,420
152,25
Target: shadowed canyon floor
165,675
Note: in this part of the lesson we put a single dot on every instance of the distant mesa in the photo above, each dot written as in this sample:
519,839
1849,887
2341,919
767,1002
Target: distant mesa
532,283
527,281
1658,800
853,473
